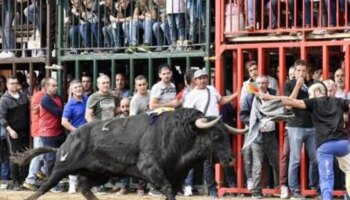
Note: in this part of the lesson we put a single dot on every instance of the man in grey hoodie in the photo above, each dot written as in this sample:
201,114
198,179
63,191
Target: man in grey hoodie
14,117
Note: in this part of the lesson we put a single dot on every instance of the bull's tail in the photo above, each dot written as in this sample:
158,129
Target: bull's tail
25,157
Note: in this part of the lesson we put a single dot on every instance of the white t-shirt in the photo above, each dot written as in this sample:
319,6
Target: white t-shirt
139,104
198,99
175,6
163,92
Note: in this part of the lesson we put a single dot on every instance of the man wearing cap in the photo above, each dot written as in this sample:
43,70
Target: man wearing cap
206,99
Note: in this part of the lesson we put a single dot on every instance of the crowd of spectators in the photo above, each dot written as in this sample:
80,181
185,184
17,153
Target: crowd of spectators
52,119
135,25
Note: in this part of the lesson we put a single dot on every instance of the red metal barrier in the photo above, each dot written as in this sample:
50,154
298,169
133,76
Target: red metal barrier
263,50
330,15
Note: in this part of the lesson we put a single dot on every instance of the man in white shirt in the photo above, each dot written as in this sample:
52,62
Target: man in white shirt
207,100
163,93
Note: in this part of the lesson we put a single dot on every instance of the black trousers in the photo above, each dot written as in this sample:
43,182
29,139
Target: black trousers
18,173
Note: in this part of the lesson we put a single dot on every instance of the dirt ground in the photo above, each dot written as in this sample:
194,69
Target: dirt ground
13,195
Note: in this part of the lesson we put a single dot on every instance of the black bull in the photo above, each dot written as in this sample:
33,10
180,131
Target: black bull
161,153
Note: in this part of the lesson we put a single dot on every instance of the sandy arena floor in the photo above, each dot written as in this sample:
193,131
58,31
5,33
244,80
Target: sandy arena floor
12,195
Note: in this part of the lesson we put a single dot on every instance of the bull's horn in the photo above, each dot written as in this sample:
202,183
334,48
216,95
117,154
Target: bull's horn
203,123
236,131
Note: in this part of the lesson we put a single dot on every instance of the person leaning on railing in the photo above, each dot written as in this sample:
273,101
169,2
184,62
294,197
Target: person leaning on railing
161,26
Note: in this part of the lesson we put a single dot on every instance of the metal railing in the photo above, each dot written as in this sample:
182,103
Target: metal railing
118,26
25,25
283,17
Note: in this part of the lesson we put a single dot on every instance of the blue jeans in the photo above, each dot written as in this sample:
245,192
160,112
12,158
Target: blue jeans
97,33
108,35
146,26
8,36
195,11
251,13
85,32
189,178
5,170
325,155
116,32
299,7
91,29
32,13
50,158
127,32
161,31
297,136
74,36
177,26
37,162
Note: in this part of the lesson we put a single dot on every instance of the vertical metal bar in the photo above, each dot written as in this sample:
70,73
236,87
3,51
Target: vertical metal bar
261,59
240,74
207,37
219,36
346,10
303,11
169,61
132,74
188,63
113,71
94,74
312,14
59,80
48,32
261,26
31,82
347,66
328,13
77,69
60,29
337,11
303,52
325,62
281,80
150,73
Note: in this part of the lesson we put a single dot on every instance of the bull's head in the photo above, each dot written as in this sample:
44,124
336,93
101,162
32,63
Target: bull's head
216,138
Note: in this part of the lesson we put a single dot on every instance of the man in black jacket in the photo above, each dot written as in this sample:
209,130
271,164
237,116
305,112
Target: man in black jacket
14,117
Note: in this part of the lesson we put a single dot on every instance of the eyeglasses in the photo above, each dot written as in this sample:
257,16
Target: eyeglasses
13,83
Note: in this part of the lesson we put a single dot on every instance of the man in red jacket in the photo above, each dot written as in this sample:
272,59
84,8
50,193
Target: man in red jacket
51,132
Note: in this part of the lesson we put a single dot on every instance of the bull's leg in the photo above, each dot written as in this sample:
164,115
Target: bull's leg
85,183
154,174
53,180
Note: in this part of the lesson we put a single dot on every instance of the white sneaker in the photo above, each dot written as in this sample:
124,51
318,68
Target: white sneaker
6,54
250,184
188,191
284,192
72,190
39,54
